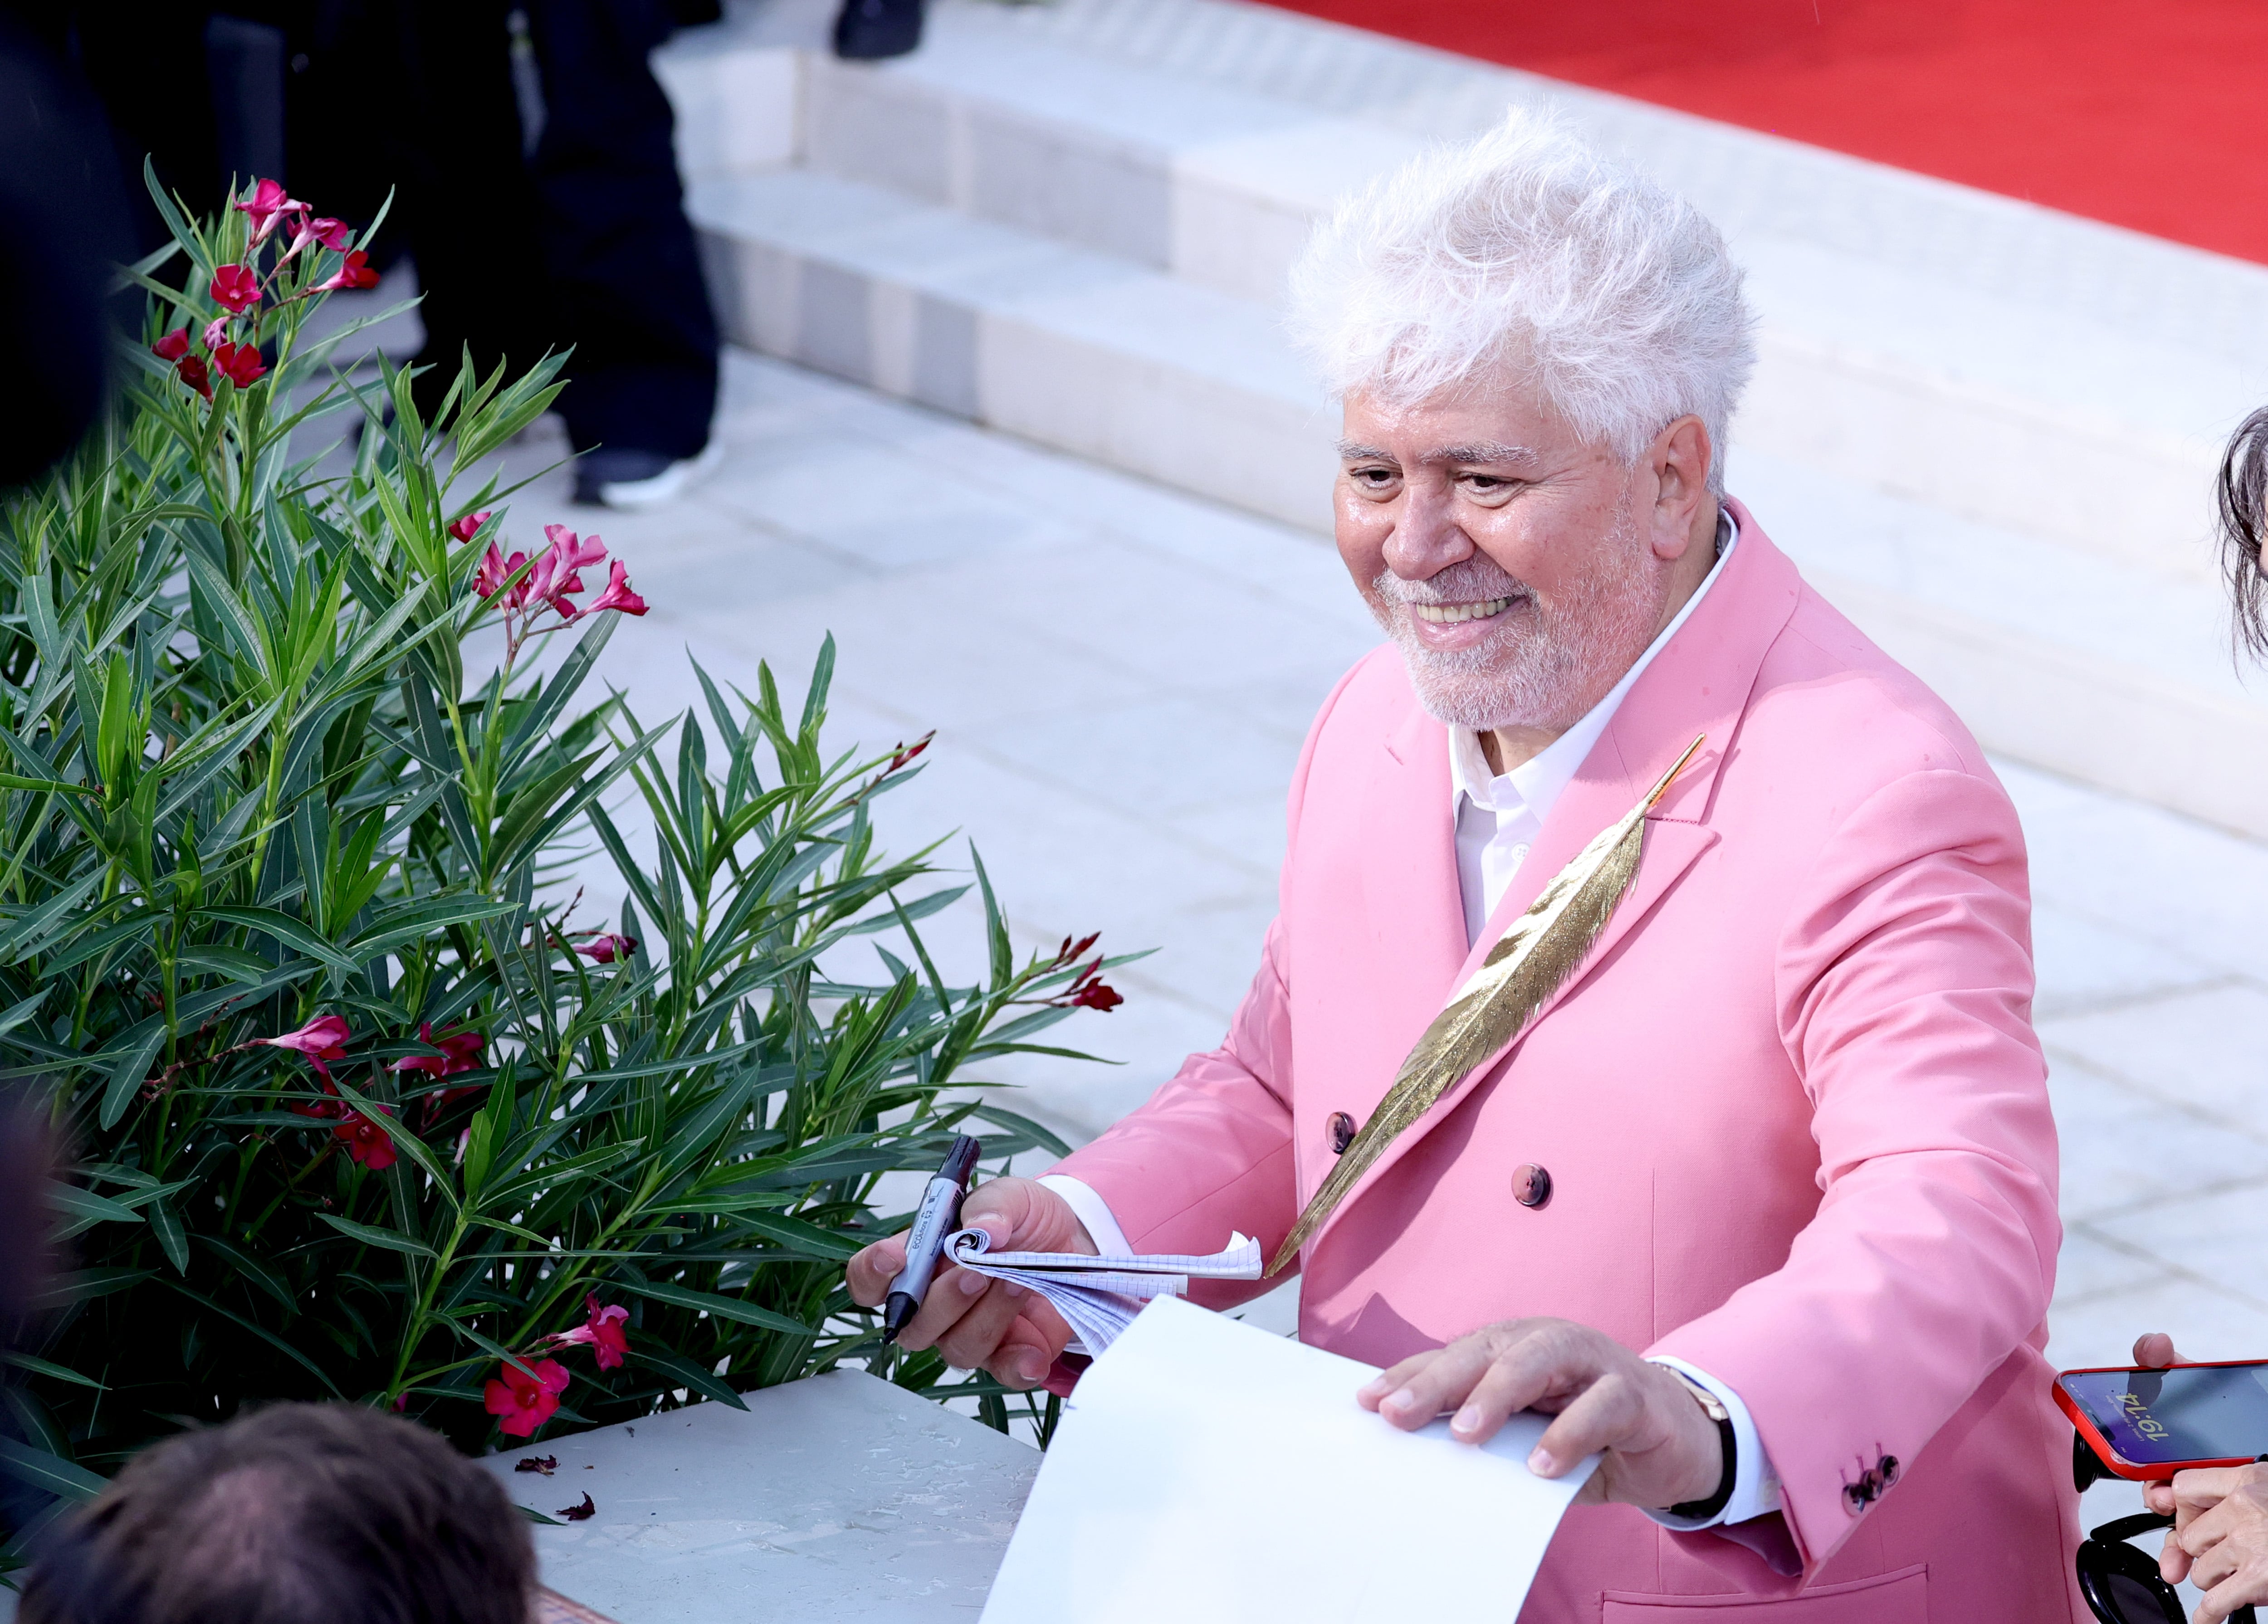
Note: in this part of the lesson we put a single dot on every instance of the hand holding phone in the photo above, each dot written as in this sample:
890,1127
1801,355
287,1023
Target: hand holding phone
2145,1423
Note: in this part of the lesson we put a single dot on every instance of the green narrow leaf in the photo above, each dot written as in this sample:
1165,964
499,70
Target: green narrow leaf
87,1284
688,1374
166,1224
804,1237
491,1125
23,937
370,1237
995,928
815,698
234,619
1039,1136
49,1368
282,928
87,1204
719,1307
65,1479
131,1071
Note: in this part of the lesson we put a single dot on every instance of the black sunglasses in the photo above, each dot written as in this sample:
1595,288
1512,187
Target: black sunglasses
2122,1585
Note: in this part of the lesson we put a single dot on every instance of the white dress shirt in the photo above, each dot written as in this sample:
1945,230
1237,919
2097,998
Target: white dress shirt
1497,818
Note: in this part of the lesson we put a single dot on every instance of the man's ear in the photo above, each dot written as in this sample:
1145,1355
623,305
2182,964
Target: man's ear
1679,461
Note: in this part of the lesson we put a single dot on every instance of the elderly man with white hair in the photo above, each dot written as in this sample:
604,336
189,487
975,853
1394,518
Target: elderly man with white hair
1644,1036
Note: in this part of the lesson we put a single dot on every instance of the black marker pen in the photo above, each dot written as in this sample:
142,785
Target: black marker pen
937,1218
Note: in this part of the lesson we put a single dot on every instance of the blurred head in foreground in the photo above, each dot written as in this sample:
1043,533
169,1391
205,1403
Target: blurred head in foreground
297,1514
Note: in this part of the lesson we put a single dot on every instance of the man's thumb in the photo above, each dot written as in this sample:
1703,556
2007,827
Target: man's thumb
1002,1210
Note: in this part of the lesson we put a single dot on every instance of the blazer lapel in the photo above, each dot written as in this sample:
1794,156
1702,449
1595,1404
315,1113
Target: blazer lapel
1699,684
1412,909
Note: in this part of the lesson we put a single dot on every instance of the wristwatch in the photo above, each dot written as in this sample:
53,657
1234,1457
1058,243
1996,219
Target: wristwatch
1714,1407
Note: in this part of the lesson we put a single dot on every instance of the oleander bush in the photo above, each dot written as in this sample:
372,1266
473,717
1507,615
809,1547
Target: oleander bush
356,1103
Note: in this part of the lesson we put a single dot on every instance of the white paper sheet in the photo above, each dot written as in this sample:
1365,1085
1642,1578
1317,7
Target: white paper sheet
1208,1472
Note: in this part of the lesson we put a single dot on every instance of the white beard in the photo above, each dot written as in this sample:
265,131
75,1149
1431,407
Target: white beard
1542,665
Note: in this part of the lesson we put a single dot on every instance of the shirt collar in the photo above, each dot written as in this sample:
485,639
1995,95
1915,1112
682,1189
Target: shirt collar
1535,783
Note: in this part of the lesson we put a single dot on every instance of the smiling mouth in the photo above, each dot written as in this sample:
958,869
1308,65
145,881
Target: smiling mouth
1450,614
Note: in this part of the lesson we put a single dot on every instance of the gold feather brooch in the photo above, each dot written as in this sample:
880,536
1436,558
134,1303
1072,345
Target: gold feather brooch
1530,962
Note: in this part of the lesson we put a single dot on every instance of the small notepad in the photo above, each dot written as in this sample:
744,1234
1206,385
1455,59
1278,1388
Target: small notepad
1099,1298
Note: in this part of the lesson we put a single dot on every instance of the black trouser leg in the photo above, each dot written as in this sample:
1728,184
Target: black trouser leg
624,272
467,200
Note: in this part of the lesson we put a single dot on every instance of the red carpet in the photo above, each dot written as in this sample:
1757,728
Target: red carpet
2148,114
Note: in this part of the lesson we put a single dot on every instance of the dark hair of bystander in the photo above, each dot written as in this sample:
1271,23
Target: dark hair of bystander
294,1512
2243,492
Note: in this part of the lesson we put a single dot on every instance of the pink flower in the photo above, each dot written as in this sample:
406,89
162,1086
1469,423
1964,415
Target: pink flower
354,272
522,1402
458,1052
603,1331
608,948
495,569
365,1141
1089,991
235,288
323,229
558,570
268,205
618,594
173,346
216,332
322,1039
193,372
466,528
240,364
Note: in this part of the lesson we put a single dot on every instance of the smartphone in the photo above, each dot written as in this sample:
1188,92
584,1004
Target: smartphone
2153,1423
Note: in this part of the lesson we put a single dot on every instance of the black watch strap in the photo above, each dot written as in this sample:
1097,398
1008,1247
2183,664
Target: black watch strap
1702,1511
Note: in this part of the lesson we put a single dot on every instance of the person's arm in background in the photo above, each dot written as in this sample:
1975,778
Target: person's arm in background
2219,1537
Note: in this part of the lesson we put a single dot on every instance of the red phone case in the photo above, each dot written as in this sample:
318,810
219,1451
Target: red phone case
2110,1457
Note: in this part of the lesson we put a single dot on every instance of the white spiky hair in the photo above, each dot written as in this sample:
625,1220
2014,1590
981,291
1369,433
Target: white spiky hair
1527,253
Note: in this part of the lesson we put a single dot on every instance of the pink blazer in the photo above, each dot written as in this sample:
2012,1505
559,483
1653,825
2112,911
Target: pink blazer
1794,1116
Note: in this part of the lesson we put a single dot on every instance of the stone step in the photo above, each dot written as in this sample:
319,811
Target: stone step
1093,355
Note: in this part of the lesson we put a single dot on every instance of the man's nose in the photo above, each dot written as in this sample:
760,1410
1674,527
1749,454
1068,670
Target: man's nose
1427,538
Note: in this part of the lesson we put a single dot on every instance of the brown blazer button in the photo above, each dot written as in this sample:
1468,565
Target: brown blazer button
1531,1185
1341,1128
1887,1468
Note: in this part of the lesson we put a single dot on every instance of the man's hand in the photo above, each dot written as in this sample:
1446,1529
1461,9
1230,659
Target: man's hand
972,1321
2221,1536
1661,1448
2219,1541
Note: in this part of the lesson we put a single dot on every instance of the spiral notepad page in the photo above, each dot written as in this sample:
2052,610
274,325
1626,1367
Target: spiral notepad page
1099,1298
1207,1473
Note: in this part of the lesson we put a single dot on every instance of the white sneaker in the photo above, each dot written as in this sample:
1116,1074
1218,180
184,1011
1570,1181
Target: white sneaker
628,480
